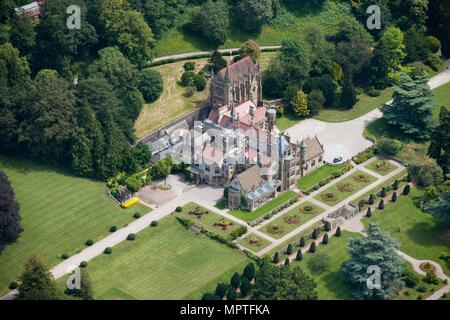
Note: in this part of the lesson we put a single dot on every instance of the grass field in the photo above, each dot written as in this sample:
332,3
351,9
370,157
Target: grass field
291,220
382,167
329,282
316,176
254,242
165,262
250,216
59,213
208,220
291,22
441,98
419,234
340,191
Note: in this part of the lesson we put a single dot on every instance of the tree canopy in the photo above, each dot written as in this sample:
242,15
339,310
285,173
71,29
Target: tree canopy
10,228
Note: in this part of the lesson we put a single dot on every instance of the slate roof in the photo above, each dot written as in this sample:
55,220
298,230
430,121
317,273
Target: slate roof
313,148
250,179
238,69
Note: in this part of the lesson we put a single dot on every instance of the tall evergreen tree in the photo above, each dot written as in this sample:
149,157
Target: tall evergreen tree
299,104
349,98
440,208
10,228
36,281
411,110
440,141
378,249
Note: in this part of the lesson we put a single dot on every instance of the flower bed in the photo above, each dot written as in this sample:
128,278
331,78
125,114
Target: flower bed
341,170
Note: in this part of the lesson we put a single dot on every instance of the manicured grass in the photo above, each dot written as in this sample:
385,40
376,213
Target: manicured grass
165,262
329,283
299,216
254,242
316,176
250,216
340,195
288,24
382,167
59,213
441,98
207,220
419,234
172,103
364,105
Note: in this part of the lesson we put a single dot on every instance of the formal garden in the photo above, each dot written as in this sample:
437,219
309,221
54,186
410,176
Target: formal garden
345,188
254,243
208,219
381,166
321,176
291,220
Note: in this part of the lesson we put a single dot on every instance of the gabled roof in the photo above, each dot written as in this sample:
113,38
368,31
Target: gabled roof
238,69
250,179
313,148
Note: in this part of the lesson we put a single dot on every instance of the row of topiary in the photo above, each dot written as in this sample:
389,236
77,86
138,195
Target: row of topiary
342,170
274,211
239,284
394,197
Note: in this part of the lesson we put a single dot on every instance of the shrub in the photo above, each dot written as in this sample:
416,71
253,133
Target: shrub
388,146
320,262
137,215
221,290
338,232
422,288
209,296
383,192
372,92
235,281
107,250
189,66
186,78
13,285
302,242
131,237
231,294
325,239
83,264
433,43
89,242
245,287
249,271
64,256
289,249
154,223
433,61
199,81
394,197
406,190
312,248
429,173
276,257
113,229
396,184
371,199
409,178
431,277
299,255
151,85
315,234
369,212
411,280
381,205
179,209
287,261
327,226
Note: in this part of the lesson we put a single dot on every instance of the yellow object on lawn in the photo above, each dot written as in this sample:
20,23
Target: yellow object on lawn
131,202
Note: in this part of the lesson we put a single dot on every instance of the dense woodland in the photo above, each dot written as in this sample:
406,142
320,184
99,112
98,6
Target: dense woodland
71,96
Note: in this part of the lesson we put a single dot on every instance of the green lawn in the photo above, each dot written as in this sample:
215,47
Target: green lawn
364,105
291,220
316,176
288,24
250,216
329,283
382,167
419,234
59,213
345,188
208,220
441,98
164,262
254,242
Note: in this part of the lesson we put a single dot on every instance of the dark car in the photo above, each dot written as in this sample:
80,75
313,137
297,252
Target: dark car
337,160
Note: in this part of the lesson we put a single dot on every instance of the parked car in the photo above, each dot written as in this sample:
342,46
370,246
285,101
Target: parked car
337,160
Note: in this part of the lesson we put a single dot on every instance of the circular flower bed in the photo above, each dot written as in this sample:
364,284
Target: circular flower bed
294,219
254,241
307,209
345,187
382,166
361,178
328,197
274,229
426,266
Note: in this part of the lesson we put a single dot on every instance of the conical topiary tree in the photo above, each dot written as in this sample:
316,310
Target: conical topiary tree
302,242
406,190
325,239
327,226
289,250
276,257
395,185
235,281
286,262
369,212
338,232
381,205
371,199
409,178
383,192
314,234
394,197
312,248
299,255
